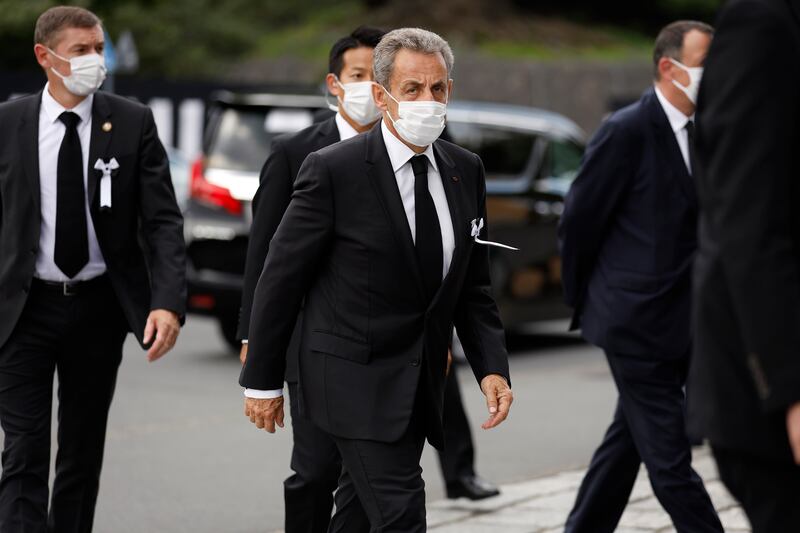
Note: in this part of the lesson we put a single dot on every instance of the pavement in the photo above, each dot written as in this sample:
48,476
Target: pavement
541,506
182,458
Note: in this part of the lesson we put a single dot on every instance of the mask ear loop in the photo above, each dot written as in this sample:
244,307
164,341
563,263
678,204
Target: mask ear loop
64,59
332,107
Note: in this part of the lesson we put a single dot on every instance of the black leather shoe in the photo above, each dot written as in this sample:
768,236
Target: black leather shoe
471,487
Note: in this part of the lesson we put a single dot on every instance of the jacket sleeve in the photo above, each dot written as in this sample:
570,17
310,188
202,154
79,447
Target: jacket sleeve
303,238
269,204
477,319
161,223
748,154
604,175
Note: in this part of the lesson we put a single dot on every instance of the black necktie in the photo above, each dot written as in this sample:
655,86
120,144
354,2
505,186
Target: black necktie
690,131
72,244
429,234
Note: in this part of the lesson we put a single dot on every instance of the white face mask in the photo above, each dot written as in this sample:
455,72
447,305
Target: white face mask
420,122
88,72
358,102
695,75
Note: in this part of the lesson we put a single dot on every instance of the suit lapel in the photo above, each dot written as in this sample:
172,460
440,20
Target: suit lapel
382,178
99,142
667,144
452,184
29,146
451,181
327,133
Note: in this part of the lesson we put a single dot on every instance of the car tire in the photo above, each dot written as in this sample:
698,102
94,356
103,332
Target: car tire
228,328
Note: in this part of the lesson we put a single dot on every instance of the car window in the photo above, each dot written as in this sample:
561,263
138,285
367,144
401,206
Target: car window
505,153
562,162
243,138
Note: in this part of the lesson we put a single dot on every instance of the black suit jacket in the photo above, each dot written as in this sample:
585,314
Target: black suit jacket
746,364
370,336
269,204
628,236
145,276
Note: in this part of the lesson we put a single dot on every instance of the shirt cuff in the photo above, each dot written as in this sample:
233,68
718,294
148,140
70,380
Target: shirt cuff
244,341
263,394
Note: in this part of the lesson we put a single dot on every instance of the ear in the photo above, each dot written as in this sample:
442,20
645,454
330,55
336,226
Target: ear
333,87
449,90
380,98
42,56
665,67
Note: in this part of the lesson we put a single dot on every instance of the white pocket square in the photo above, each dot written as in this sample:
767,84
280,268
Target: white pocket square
477,226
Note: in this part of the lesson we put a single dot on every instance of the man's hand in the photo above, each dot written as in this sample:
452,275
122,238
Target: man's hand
498,399
264,413
793,428
243,353
449,362
165,326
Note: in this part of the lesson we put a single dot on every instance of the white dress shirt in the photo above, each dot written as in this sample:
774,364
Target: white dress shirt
677,121
400,158
51,133
346,131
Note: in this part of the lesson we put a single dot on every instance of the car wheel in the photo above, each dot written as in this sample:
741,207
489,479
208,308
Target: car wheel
228,328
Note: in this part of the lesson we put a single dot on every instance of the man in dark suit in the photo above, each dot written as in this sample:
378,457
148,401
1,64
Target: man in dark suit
83,177
316,463
378,240
744,384
628,241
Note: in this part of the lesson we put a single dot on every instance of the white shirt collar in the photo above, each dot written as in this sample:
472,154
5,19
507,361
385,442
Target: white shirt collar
53,109
399,153
677,120
346,131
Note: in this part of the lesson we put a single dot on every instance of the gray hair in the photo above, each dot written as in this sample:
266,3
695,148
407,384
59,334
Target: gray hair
415,39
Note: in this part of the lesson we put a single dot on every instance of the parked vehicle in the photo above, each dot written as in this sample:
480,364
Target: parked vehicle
530,157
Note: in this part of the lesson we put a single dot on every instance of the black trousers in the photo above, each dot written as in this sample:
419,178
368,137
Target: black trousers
458,457
768,490
383,480
80,337
317,464
648,427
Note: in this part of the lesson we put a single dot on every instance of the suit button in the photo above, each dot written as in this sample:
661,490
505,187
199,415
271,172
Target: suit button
415,362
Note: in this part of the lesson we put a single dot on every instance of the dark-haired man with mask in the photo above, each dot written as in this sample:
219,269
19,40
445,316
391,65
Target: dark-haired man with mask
379,239
628,239
83,181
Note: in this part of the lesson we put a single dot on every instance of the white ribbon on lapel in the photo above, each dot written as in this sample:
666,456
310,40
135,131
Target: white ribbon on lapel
105,181
477,226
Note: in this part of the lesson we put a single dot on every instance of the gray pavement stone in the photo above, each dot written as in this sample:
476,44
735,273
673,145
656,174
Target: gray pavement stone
542,505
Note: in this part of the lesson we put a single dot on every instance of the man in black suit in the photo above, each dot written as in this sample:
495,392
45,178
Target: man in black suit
378,240
308,493
744,384
628,241
83,177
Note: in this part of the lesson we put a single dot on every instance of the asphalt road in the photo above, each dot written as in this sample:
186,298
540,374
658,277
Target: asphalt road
181,456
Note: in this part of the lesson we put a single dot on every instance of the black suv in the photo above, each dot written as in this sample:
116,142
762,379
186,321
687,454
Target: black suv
530,156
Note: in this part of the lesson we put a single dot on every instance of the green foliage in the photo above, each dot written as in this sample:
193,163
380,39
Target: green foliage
190,38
